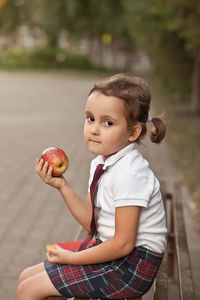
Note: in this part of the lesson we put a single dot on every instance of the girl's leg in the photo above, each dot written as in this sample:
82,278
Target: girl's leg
31,271
36,287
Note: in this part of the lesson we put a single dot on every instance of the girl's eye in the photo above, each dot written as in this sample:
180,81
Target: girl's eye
108,123
90,119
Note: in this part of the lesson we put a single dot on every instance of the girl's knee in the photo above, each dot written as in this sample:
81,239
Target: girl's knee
24,275
30,271
22,291
26,289
35,287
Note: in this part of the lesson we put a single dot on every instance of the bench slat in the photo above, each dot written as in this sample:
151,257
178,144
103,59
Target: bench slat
182,251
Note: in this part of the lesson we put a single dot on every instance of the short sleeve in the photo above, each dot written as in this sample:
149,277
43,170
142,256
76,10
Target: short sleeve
132,190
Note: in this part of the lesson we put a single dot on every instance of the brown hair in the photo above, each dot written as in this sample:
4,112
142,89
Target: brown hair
136,96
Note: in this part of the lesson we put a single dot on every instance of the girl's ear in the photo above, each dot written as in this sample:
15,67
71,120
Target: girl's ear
135,132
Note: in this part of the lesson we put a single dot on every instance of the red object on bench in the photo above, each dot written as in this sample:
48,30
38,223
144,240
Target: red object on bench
71,245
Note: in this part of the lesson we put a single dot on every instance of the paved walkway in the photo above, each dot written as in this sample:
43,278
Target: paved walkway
38,110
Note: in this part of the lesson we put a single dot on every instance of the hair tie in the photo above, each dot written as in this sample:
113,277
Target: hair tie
149,118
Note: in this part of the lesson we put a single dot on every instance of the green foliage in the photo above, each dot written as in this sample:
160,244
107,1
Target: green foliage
14,14
173,65
91,18
13,58
47,57
88,18
169,32
51,19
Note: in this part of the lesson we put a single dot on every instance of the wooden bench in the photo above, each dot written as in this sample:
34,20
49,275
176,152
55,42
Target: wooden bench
174,278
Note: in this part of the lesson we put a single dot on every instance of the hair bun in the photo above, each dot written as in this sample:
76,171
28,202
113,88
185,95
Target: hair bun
158,131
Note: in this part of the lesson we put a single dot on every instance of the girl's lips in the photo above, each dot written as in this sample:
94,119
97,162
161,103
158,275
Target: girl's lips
93,141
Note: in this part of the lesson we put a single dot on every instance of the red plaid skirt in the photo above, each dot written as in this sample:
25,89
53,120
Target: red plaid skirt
128,277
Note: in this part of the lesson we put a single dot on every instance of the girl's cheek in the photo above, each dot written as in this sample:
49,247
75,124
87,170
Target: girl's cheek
85,131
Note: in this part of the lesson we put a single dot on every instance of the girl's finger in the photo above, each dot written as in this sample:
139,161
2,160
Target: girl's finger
38,165
45,168
49,172
52,252
49,257
37,161
52,259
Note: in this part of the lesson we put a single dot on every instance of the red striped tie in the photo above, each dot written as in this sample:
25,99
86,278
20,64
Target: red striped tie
93,188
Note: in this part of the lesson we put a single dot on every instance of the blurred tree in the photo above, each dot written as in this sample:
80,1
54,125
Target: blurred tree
170,30
80,19
2,2
48,16
14,13
11,15
91,19
186,23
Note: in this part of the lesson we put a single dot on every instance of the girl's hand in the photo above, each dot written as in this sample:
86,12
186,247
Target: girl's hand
45,172
60,256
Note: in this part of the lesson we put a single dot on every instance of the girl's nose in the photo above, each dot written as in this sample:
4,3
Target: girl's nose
95,129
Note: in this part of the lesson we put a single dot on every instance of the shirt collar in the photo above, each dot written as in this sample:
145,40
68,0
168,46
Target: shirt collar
111,160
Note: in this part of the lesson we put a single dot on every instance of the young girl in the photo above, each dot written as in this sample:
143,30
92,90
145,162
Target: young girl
129,213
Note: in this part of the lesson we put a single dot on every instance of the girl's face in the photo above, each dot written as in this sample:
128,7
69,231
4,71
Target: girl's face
106,129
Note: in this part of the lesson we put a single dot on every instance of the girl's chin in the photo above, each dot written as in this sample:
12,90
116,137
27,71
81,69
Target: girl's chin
95,150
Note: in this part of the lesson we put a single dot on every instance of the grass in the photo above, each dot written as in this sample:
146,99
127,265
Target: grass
183,136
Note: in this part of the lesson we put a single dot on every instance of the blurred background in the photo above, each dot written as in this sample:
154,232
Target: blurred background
158,38
76,40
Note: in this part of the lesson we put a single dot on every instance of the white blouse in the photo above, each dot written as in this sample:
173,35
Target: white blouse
128,181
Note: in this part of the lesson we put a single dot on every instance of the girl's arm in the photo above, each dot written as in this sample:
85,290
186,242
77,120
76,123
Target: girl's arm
81,210
126,224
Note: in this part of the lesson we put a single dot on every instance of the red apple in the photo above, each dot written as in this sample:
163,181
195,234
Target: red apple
57,159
